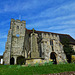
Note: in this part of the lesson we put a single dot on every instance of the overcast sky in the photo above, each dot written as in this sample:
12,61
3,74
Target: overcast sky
56,16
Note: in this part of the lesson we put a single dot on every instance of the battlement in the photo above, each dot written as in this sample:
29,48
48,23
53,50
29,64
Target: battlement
17,20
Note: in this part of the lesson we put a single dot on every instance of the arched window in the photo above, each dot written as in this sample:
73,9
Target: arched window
51,43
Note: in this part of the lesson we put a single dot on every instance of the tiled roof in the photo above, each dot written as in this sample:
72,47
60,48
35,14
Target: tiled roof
72,41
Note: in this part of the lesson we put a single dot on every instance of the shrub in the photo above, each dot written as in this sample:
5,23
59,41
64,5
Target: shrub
37,64
45,64
73,59
50,63
20,60
29,65
10,66
62,63
18,66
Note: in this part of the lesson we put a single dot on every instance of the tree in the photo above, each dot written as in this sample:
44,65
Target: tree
20,60
67,49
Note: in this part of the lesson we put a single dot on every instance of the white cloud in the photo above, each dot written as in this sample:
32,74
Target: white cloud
23,5
56,21
4,22
2,44
59,27
70,31
1,53
71,22
63,10
2,47
3,36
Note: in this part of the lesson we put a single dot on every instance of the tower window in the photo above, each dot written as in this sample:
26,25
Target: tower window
17,35
51,42
17,27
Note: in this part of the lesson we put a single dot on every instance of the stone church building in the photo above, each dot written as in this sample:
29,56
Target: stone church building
33,45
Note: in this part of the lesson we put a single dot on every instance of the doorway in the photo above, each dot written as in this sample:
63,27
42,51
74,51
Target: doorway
12,61
53,57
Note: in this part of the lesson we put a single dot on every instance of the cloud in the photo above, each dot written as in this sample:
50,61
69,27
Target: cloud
3,36
70,31
2,44
1,53
65,23
2,47
3,33
65,20
56,16
15,6
65,9
4,22
60,27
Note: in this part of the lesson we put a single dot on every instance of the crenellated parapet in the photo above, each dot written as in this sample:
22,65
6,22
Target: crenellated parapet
32,44
51,43
18,27
15,40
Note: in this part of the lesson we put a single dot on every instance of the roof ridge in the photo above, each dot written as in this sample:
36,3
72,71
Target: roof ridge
48,32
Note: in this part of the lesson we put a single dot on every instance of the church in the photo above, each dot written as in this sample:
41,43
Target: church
32,45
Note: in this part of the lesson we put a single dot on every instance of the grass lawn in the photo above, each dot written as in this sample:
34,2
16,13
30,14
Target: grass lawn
33,70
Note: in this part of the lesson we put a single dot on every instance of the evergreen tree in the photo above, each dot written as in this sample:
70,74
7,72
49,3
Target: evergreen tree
67,49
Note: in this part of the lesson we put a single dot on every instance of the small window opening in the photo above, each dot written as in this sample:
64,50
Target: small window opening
17,27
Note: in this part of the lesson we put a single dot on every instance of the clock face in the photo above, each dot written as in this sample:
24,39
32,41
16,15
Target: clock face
17,35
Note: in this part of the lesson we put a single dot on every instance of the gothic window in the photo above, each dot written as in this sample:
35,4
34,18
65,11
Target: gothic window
51,42
17,27
21,26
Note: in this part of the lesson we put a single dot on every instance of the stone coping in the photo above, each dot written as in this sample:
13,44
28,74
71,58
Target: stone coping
33,58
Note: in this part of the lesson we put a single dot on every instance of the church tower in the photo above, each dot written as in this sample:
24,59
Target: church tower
15,41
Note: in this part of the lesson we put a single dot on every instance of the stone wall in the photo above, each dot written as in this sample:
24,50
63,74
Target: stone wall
6,55
33,45
27,46
33,61
18,37
57,47
15,44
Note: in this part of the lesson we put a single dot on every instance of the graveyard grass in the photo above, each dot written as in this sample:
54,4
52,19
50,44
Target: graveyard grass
34,70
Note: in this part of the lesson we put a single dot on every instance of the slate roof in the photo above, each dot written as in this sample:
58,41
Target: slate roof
72,41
